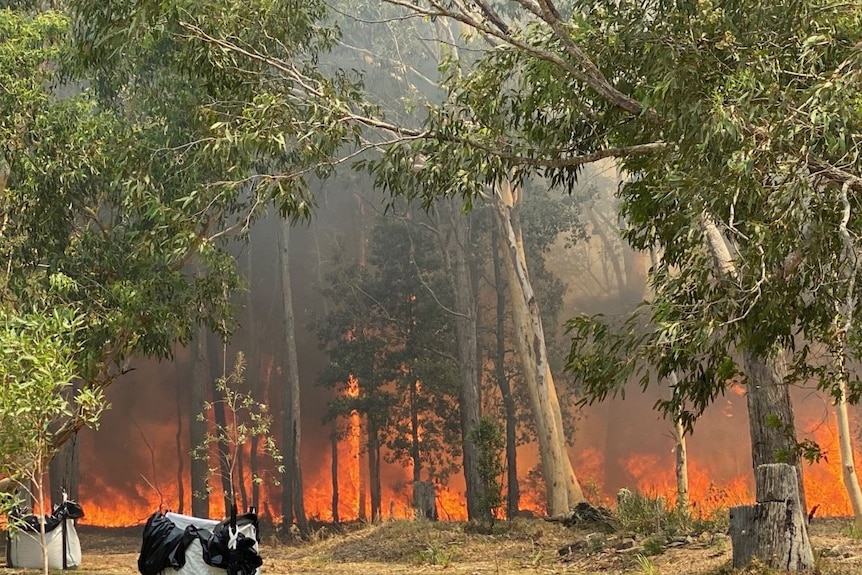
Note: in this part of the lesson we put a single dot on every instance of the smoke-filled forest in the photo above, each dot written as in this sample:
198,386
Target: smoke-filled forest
348,262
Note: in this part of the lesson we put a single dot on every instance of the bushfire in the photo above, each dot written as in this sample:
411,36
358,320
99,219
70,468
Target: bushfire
123,490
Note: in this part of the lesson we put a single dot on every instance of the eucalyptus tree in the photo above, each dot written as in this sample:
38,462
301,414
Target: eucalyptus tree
36,370
131,153
399,59
89,206
385,331
735,120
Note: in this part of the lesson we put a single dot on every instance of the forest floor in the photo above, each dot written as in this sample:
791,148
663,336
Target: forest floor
523,546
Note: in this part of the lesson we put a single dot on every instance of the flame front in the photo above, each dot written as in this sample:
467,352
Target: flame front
124,490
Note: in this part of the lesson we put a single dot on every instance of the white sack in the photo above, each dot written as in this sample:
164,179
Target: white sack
26,551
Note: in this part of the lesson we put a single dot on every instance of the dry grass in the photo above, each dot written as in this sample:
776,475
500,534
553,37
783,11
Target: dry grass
524,546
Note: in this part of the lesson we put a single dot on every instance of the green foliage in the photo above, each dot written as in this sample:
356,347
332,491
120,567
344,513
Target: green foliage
652,516
490,443
438,554
133,135
246,419
98,214
653,546
37,392
647,566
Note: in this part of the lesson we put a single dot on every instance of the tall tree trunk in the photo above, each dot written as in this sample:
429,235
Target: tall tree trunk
293,499
415,452
513,495
333,444
364,465
842,324
361,456
770,411
253,376
679,447
374,468
563,489
457,258
845,445
181,459
198,429
333,428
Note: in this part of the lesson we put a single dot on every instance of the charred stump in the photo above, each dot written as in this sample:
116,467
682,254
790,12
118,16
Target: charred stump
425,500
773,530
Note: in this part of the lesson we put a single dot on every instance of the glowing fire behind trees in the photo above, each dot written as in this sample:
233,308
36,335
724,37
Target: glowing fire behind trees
122,475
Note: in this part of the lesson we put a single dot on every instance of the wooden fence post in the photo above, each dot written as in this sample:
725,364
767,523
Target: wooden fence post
774,529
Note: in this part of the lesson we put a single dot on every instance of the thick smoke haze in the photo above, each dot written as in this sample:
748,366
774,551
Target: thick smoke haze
135,456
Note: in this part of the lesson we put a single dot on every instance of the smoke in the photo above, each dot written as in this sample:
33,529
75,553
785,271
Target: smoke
131,464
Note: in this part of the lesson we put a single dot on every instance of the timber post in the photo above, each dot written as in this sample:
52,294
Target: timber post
773,530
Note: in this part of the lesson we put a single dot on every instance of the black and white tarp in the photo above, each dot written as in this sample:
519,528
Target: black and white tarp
174,543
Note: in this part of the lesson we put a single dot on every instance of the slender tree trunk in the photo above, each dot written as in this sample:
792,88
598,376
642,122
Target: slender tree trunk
681,452
374,468
364,465
415,453
848,467
362,457
842,324
198,429
333,443
39,480
770,411
563,489
223,448
181,459
242,499
513,495
458,265
679,447
253,377
293,492
333,435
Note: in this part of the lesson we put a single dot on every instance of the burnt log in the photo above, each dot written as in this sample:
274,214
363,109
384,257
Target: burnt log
773,530
425,500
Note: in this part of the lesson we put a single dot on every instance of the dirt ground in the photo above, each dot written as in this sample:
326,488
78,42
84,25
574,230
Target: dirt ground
525,546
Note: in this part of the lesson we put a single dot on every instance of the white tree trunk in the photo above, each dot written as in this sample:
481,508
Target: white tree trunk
839,355
679,444
681,451
848,468
563,489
